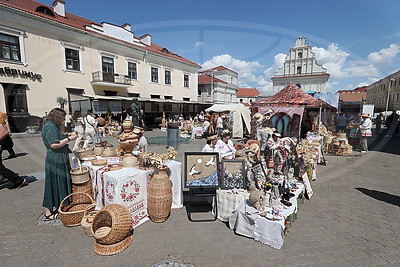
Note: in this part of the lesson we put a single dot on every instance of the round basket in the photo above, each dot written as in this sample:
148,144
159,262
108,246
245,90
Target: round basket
82,188
71,215
328,139
108,250
83,152
99,162
111,224
80,175
87,219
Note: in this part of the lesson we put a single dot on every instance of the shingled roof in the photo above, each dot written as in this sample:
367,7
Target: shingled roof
292,95
30,6
206,79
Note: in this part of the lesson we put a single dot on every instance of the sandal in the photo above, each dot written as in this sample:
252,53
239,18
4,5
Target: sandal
51,217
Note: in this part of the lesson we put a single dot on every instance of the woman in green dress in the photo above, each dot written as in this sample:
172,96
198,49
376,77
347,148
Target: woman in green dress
57,168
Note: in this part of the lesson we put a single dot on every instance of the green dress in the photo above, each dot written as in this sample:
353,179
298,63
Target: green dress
57,183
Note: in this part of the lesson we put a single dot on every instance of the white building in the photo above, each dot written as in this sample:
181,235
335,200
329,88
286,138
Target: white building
300,67
218,85
46,52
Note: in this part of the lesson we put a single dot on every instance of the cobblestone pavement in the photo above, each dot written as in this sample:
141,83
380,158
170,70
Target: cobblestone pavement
353,219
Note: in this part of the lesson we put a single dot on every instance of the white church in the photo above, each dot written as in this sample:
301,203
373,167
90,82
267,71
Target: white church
301,68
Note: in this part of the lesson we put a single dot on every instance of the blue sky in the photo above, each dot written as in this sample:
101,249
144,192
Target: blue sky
357,41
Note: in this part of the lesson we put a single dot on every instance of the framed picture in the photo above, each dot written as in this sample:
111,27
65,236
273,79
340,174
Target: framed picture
233,174
201,170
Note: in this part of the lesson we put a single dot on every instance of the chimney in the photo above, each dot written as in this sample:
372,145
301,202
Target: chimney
146,39
127,26
59,7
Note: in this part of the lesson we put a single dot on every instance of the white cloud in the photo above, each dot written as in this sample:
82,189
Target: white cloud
265,87
356,70
385,55
199,44
245,69
333,59
368,82
279,59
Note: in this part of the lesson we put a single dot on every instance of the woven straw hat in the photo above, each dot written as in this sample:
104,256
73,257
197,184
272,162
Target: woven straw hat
254,147
258,117
365,115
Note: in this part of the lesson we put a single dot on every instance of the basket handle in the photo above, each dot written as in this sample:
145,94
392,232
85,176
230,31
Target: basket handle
88,208
70,195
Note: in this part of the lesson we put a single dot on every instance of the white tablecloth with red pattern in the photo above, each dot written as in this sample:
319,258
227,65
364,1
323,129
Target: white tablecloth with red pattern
128,187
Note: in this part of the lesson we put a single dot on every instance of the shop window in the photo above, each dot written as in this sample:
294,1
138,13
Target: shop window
72,59
15,98
155,96
167,77
132,70
154,75
186,80
9,47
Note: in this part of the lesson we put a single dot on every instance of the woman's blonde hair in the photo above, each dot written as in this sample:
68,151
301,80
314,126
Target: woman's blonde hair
57,115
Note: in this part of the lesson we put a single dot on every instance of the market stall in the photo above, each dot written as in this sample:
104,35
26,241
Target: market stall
240,117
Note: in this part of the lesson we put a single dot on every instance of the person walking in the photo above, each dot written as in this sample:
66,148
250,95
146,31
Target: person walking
90,128
57,184
7,142
365,128
378,124
220,125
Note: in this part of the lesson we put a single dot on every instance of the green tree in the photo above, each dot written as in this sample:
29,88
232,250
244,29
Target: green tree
61,101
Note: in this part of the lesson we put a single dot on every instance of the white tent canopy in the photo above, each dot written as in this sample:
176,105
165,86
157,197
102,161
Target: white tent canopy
241,117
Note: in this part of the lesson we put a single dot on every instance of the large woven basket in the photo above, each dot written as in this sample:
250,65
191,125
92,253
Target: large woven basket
159,196
111,224
87,219
71,215
108,250
82,188
80,175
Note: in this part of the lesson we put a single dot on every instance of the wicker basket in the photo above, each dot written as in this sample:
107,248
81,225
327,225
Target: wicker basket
71,215
159,196
108,250
111,224
87,219
82,188
80,175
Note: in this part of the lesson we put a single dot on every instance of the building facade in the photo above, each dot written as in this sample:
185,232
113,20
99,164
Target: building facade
218,85
247,95
301,68
352,101
377,93
48,53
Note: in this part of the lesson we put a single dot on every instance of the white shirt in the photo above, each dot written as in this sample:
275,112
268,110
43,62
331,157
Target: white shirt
206,124
225,150
365,127
220,123
143,144
208,148
89,121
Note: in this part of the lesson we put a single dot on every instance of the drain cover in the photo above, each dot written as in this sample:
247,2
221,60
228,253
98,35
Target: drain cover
169,263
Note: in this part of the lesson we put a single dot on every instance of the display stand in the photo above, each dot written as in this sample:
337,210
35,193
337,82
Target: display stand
196,194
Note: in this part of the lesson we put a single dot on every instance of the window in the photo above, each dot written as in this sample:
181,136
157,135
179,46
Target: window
9,47
15,98
167,97
299,70
155,96
110,93
133,95
132,70
209,91
186,99
300,55
154,75
108,69
186,80
72,59
167,77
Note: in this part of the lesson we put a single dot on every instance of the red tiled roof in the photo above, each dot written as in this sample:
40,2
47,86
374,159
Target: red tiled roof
291,95
72,20
218,68
357,90
247,92
206,79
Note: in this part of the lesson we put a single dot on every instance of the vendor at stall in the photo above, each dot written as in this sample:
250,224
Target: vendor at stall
211,143
365,128
225,146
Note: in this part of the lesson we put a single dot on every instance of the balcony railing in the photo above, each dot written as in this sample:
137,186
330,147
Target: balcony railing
100,77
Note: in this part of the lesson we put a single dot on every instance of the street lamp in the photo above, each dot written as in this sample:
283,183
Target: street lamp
387,97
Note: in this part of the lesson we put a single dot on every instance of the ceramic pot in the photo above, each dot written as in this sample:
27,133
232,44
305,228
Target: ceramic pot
127,125
159,195
127,145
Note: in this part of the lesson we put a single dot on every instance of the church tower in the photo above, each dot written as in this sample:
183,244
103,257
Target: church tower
301,68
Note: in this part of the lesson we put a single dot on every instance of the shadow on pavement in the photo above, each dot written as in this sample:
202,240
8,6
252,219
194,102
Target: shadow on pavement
385,144
382,196
4,183
17,155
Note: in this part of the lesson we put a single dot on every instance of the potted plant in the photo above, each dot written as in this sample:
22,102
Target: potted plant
32,129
